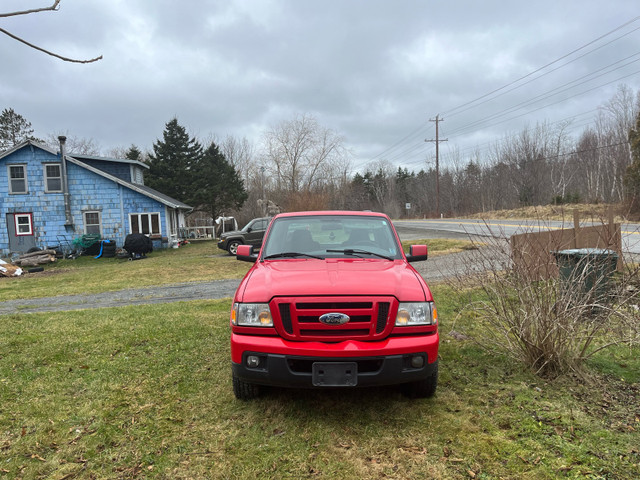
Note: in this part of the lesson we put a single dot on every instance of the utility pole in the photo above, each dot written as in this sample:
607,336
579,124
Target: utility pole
437,142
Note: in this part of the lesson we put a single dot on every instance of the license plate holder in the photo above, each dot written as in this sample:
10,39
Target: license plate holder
335,374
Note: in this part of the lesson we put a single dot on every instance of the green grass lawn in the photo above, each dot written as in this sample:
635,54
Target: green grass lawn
145,392
198,261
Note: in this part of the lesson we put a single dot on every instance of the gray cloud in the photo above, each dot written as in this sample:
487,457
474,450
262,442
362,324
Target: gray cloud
374,71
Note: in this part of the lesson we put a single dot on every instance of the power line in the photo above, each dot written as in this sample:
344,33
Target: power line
412,134
397,150
550,93
565,99
453,112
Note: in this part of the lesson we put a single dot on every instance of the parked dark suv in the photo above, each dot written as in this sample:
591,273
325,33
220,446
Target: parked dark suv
251,234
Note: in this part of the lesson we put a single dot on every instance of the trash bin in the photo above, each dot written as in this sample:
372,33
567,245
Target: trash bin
587,271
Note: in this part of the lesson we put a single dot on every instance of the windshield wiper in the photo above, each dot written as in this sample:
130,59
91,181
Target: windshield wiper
291,254
357,251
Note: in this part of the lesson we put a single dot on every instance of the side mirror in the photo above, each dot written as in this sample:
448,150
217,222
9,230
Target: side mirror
249,230
417,253
245,254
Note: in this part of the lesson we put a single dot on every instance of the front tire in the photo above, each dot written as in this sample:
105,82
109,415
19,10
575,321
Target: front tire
422,388
233,247
243,390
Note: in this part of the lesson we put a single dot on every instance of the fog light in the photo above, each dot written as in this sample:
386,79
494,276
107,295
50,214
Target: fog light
253,361
417,361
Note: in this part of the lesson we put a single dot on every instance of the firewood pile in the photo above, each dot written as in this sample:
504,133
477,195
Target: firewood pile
35,258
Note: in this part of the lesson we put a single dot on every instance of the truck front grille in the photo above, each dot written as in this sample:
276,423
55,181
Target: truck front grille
369,318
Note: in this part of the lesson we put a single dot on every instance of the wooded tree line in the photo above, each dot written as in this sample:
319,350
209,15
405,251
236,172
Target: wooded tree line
539,165
301,165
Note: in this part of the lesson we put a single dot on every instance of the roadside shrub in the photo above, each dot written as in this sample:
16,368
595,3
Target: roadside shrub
569,198
549,320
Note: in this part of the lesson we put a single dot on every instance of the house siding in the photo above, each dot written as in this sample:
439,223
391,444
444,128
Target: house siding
88,191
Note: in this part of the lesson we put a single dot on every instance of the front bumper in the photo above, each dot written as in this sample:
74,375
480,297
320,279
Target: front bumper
377,363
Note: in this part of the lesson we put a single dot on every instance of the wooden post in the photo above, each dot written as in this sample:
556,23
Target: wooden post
576,229
611,232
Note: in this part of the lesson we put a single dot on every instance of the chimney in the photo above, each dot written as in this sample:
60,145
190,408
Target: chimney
65,183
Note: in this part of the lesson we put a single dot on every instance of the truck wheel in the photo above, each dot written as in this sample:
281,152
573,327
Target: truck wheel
423,388
233,247
243,390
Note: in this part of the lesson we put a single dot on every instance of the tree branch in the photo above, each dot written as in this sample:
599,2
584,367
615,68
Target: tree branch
66,59
53,7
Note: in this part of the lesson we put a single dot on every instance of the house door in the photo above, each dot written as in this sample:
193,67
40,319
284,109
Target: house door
21,233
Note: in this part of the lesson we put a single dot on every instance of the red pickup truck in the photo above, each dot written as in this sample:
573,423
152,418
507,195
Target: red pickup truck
332,301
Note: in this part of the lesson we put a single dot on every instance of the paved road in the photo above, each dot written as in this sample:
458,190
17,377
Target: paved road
507,228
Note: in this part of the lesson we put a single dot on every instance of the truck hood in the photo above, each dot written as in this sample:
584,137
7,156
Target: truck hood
332,277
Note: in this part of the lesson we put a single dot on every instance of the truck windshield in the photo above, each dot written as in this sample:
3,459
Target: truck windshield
336,236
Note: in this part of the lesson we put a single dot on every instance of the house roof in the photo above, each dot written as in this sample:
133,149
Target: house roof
107,159
143,189
23,144
77,160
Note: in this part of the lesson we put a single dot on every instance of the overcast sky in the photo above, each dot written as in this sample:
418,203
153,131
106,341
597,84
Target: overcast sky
374,71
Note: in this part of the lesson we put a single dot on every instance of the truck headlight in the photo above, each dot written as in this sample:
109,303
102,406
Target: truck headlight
251,315
411,314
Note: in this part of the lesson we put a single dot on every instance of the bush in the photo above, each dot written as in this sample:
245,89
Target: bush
569,198
549,323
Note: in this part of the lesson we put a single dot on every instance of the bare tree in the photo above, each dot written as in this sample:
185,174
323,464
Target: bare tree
300,154
561,174
77,145
615,120
54,7
588,165
239,152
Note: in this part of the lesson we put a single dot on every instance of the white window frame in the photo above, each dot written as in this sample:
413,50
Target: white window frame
47,177
29,224
139,217
86,223
24,178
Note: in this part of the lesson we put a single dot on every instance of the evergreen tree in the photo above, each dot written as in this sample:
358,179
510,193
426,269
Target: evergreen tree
134,153
217,186
14,128
403,178
632,174
171,166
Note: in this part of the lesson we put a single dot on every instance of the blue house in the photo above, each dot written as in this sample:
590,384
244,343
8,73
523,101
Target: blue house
48,198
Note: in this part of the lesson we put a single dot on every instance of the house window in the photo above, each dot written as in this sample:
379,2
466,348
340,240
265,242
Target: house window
52,178
147,223
92,222
24,224
18,179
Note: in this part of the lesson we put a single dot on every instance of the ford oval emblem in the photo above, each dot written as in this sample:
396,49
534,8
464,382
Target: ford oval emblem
334,318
